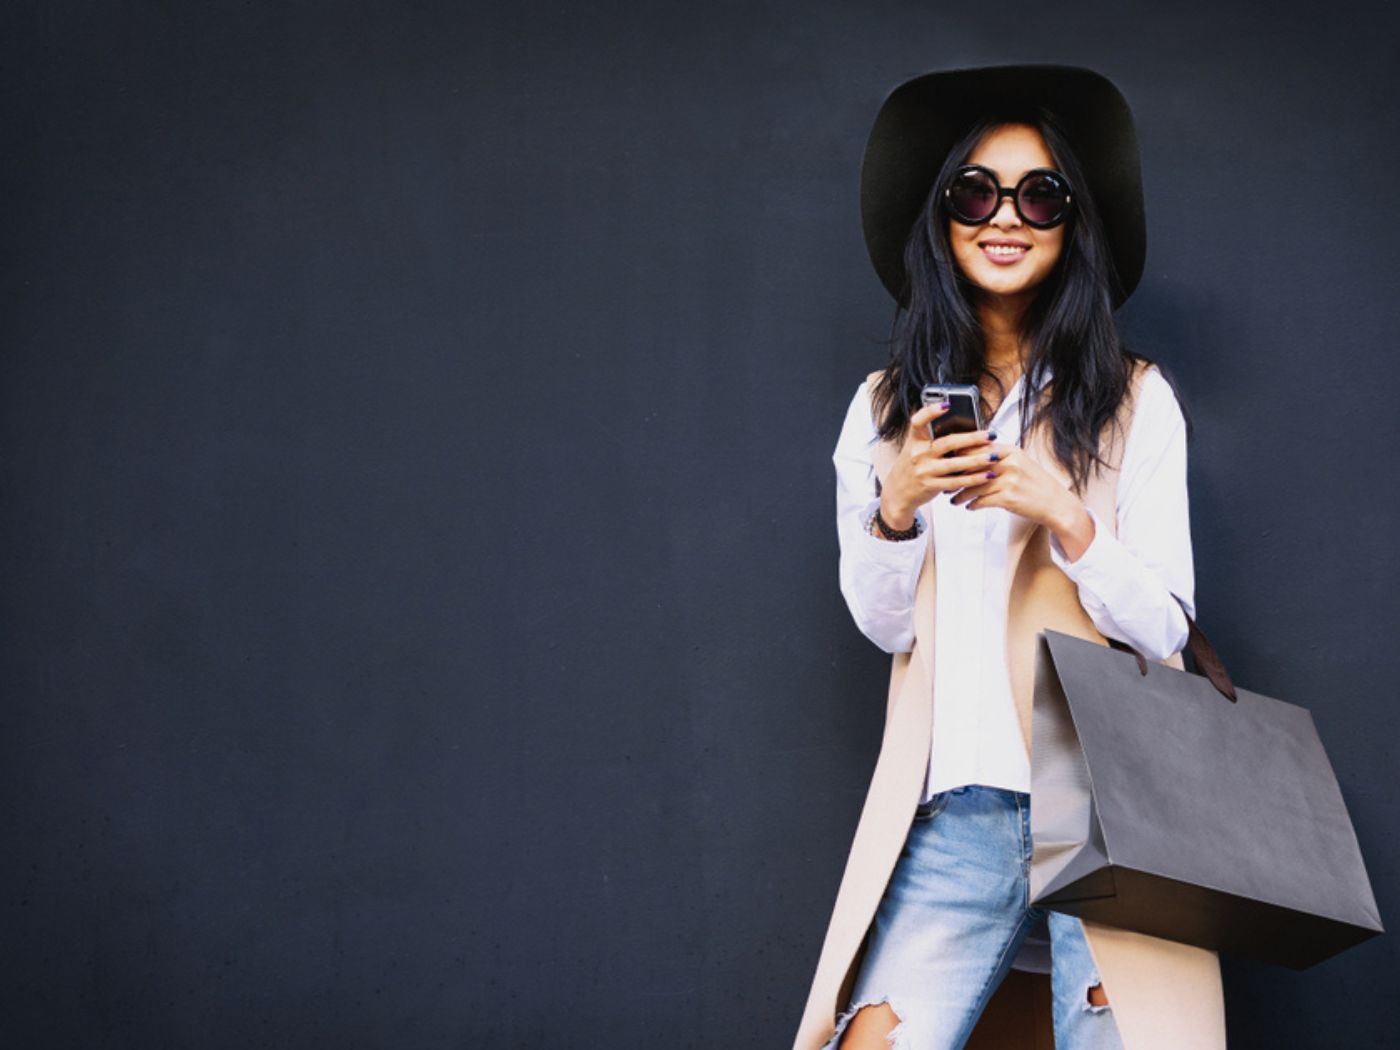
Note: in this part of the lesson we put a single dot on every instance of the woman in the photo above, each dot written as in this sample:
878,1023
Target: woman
1007,244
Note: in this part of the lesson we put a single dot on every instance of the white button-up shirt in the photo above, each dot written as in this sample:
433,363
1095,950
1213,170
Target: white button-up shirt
1125,582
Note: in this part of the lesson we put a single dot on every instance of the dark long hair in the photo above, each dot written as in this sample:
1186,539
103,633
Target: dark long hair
1069,326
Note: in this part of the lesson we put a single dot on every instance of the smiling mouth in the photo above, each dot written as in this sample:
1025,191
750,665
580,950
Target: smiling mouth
1004,254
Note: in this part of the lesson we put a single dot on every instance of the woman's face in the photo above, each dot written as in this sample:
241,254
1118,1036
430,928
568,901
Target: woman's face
1010,151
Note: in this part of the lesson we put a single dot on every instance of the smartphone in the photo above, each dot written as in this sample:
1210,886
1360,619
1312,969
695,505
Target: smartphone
964,413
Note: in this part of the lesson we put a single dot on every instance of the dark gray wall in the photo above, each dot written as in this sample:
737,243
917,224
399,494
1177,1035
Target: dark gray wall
420,621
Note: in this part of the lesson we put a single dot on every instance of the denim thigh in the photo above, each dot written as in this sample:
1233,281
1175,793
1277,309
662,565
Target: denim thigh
953,916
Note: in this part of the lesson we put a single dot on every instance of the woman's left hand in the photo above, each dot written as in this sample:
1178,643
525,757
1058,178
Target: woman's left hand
1021,485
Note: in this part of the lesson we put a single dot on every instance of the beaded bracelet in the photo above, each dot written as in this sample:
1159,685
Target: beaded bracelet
892,533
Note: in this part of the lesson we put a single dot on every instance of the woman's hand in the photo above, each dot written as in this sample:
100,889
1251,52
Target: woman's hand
922,471
1008,478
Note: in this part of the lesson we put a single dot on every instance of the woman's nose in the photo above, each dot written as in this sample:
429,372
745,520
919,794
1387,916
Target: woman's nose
1005,215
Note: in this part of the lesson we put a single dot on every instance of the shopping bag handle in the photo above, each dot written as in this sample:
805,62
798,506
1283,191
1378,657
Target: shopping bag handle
1203,654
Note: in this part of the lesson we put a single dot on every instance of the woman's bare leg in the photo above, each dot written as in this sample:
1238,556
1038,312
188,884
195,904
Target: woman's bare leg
870,1028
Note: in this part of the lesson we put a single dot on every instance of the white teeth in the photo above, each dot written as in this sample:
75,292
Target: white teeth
997,249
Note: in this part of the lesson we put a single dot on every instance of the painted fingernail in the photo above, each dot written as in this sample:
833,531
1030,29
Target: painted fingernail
993,457
991,435
945,405
991,474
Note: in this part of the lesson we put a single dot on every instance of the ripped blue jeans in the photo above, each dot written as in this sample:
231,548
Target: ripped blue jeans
955,912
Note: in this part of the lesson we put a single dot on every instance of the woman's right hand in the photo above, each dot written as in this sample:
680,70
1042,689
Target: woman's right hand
924,468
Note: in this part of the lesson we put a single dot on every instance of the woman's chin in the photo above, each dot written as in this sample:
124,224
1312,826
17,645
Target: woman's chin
1005,285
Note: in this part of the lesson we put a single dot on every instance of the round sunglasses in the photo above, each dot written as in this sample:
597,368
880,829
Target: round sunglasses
1041,198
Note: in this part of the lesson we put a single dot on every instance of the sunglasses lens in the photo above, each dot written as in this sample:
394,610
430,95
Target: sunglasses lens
972,196
1043,198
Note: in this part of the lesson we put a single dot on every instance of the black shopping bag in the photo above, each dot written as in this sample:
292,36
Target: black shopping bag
1175,805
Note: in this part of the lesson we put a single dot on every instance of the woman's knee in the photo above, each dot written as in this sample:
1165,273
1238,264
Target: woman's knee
872,1028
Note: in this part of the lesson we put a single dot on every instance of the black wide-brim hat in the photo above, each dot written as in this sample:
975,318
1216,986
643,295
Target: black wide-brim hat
922,119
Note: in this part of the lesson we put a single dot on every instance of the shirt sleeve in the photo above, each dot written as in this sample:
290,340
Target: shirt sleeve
1126,583
878,577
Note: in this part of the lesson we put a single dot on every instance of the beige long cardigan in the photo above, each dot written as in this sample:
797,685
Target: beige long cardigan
1164,995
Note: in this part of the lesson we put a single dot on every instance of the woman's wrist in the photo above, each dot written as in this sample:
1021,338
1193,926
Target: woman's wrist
1073,527
881,528
897,518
